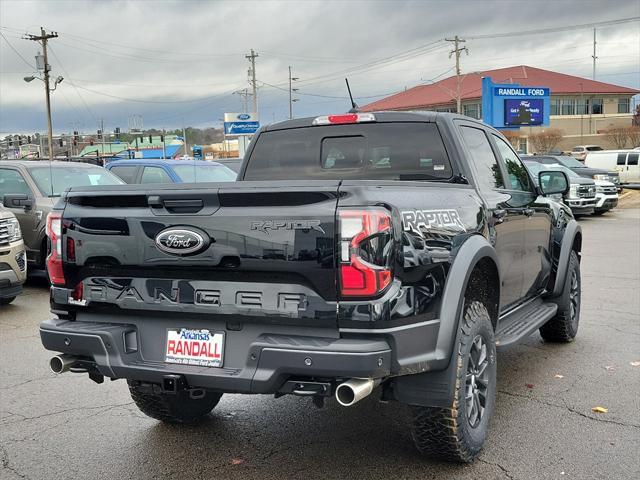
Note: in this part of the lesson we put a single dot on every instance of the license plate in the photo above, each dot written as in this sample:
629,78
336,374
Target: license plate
194,347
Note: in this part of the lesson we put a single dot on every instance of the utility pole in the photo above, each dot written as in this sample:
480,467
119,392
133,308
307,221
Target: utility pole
184,135
102,134
457,51
593,77
291,90
43,38
252,78
244,93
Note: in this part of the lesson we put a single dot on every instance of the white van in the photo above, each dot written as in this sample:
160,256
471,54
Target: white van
625,162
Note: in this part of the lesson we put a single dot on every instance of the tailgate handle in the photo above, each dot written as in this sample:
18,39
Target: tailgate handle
193,205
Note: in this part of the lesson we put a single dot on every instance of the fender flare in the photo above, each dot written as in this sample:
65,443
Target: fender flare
435,388
470,253
571,230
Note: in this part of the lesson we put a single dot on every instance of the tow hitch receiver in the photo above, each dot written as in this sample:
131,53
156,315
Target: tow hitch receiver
306,389
173,383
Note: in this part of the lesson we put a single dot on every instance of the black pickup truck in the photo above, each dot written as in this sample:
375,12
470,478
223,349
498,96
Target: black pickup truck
384,249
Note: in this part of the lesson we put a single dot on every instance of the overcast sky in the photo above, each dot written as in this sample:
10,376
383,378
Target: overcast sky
174,62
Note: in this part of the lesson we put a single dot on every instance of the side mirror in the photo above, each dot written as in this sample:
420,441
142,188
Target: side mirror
17,200
553,182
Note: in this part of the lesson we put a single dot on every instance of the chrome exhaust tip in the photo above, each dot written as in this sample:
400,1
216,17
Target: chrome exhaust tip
354,390
62,363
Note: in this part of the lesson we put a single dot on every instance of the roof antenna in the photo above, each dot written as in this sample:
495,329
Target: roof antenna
354,107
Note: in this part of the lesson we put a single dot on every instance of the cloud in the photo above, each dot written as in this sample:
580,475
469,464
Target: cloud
175,62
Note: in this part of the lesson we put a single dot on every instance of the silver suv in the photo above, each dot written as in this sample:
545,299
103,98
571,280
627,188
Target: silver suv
13,259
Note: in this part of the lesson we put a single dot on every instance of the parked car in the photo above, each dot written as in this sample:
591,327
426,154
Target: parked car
27,189
13,260
608,175
580,151
625,162
233,163
323,302
581,197
171,171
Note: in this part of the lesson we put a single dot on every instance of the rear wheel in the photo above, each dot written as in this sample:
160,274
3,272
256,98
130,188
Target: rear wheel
459,432
179,407
564,326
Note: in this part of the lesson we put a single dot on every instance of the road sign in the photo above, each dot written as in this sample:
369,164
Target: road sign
241,123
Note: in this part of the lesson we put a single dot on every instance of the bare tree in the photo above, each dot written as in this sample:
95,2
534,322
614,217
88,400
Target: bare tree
513,137
546,140
618,136
634,136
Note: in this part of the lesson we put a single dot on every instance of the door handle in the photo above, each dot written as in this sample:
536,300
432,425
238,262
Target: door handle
499,215
529,212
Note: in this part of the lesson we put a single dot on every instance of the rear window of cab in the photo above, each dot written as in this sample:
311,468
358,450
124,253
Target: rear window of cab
367,151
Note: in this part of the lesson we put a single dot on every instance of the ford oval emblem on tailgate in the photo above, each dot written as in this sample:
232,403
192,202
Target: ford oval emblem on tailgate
181,241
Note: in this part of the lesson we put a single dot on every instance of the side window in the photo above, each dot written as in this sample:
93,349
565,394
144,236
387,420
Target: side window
518,178
633,159
155,175
489,174
126,173
12,182
621,158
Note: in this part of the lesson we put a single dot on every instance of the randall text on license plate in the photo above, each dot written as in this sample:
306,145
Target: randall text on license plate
194,347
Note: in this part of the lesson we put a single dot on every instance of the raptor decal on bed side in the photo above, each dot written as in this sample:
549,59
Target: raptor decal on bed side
416,220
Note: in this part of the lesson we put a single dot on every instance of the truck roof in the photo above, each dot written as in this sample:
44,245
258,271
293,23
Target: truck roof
383,116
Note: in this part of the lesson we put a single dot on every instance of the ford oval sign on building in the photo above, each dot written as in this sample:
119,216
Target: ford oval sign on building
182,241
241,123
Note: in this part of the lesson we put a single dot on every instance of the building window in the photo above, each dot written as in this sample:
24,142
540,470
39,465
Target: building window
624,105
472,110
555,106
582,106
568,106
596,106
445,109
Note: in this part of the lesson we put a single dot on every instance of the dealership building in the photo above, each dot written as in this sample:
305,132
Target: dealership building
581,108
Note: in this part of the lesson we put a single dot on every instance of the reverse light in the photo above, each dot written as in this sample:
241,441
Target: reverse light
344,118
365,250
54,259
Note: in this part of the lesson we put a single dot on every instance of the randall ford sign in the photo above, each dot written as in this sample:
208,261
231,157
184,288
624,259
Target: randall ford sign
241,123
520,92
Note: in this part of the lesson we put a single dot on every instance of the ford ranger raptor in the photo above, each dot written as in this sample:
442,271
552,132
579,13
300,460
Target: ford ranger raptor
387,252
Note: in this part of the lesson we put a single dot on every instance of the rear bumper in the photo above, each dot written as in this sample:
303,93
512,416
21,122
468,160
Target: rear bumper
268,362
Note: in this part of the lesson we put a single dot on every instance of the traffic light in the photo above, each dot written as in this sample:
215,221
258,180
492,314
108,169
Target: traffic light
162,138
117,132
29,139
75,135
99,134
60,142
91,142
150,139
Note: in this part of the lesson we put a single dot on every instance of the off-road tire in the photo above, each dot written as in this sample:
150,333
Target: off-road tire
177,408
563,327
447,433
6,300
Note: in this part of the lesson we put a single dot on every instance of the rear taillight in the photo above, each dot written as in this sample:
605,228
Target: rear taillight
54,259
344,118
365,252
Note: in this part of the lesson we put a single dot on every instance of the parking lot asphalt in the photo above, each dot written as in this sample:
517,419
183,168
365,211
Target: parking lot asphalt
67,427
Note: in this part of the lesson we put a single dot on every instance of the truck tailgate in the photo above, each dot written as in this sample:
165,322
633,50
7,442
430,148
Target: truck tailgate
267,252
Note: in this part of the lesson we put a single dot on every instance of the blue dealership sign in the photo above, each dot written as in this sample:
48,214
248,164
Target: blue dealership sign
510,105
241,123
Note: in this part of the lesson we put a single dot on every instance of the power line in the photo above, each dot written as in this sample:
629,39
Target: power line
64,70
565,28
17,52
457,51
